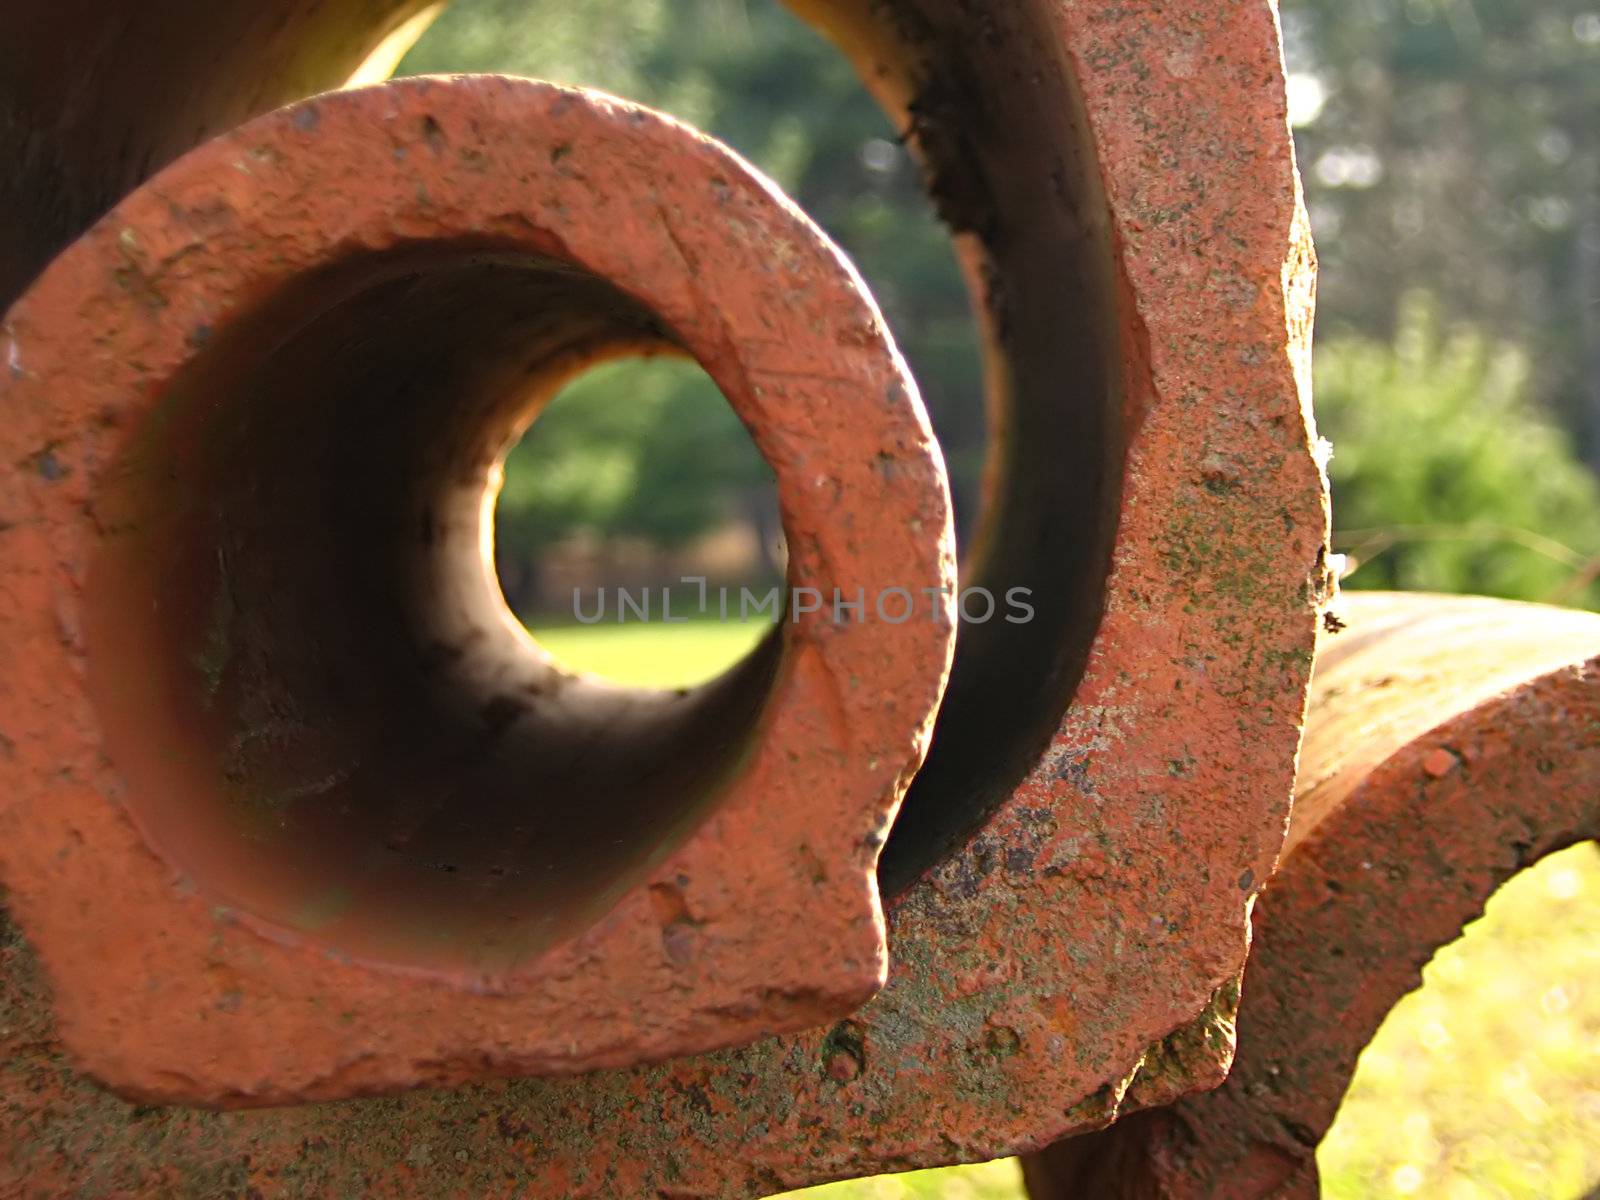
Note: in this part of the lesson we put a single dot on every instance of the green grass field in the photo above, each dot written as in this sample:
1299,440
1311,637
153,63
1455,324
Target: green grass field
1486,1082
1483,1085
652,655
987,1181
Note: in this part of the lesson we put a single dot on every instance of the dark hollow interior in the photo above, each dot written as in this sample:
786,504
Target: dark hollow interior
94,96
986,98
97,95
306,671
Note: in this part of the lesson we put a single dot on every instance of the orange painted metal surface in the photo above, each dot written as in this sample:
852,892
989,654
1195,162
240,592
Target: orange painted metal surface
293,807
1452,742
1068,881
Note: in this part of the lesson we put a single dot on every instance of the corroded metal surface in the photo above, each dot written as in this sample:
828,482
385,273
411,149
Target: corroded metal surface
247,619
1069,879
1452,742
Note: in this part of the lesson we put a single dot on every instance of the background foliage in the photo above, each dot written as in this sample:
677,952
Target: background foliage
1455,145
1447,475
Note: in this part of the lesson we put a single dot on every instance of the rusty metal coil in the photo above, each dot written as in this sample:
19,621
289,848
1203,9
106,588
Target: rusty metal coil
1068,880
1452,742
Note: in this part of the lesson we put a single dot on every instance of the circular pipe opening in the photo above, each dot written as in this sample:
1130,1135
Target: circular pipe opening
998,127
637,533
989,104
301,611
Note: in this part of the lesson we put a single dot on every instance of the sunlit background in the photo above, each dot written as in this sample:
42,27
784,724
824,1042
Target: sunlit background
1451,152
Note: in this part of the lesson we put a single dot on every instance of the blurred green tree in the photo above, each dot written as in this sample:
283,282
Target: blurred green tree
1446,476
635,448
1455,144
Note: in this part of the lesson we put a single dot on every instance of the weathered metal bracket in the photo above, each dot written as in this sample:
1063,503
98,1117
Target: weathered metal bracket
1069,878
1452,742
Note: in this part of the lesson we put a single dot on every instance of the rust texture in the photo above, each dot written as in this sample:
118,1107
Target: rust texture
1452,742
249,622
1068,881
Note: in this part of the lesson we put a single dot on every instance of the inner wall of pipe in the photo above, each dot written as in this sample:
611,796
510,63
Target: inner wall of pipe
990,107
992,111
309,678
